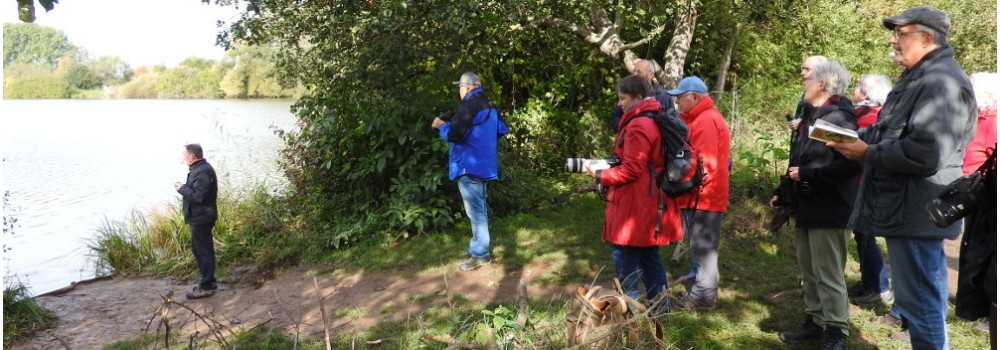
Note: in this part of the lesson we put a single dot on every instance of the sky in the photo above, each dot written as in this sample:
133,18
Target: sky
141,32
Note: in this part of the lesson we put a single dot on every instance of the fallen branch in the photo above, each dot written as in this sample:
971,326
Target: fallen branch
322,311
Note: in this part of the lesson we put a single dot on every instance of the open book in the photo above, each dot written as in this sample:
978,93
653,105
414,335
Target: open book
825,131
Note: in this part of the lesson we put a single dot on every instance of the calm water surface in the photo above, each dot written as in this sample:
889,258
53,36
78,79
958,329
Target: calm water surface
69,164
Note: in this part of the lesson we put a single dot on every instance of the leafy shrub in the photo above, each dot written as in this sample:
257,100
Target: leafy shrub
36,87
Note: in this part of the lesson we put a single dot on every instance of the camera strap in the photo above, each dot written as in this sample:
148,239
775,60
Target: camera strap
989,163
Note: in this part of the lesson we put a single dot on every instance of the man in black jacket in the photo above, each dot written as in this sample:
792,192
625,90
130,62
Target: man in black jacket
200,213
909,155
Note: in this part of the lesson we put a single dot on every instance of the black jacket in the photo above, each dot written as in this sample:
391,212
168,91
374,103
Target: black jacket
199,194
825,196
915,149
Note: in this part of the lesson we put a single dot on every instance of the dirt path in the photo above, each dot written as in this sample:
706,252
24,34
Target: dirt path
95,314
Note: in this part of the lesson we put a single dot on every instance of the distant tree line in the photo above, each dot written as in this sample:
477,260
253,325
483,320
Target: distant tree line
41,63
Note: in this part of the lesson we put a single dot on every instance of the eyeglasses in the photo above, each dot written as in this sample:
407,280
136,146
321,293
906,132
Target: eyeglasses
897,33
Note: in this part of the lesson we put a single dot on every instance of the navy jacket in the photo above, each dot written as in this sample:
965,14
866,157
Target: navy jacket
199,194
916,149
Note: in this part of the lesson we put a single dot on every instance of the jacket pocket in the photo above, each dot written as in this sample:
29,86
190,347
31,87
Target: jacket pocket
887,195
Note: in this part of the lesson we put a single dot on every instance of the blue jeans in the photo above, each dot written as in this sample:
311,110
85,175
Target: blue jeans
632,263
873,274
920,281
474,197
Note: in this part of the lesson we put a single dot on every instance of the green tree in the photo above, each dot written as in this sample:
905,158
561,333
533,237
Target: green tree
32,43
253,73
72,69
378,71
110,70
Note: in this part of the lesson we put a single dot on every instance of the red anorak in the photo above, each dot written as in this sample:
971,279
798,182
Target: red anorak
633,196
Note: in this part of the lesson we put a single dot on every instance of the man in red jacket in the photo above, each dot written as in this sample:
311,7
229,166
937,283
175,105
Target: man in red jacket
702,209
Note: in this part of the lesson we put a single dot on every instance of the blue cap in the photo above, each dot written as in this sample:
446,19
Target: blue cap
689,84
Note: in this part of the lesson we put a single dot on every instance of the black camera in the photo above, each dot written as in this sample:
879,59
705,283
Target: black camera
579,165
957,200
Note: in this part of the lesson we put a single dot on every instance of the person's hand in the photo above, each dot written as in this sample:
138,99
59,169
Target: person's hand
437,123
773,202
794,124
793,173
178,185
854,151
594,167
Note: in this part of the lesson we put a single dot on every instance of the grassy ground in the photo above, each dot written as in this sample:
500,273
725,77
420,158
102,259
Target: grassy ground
21,314
760,295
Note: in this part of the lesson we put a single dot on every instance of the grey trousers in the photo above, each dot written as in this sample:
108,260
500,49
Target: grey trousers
703,231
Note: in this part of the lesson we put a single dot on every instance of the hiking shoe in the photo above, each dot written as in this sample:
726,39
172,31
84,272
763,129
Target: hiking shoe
887,320
903,336
833,339
472,263
856,290
872,297
692,304
809,331
198,293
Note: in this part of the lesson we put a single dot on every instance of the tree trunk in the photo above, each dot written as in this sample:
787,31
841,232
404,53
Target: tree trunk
680,44
720,80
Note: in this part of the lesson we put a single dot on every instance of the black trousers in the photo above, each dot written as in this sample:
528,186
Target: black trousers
204,254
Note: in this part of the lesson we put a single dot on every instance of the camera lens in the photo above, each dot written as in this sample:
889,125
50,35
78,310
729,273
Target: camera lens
944,213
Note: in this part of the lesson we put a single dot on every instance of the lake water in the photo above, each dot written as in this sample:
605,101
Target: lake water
69,164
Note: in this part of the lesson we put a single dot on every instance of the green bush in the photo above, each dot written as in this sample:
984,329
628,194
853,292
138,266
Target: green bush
36,87
250,222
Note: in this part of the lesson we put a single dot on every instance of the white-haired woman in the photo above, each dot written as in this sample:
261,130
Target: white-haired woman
869,95
825,185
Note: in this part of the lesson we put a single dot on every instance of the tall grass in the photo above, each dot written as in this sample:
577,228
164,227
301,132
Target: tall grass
158,242
21,314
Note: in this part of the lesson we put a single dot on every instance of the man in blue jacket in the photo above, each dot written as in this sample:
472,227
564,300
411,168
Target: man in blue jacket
200,213
909,155
472,134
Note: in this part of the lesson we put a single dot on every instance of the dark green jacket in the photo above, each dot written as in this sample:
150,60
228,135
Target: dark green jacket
915,149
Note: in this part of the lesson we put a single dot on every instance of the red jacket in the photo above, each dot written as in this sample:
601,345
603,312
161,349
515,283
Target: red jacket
869,117
985,139
710,136
633,196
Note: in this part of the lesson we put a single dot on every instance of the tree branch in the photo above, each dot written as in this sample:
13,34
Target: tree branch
652,34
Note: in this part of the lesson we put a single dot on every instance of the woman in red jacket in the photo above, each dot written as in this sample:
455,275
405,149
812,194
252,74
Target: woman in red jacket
633,222
869,94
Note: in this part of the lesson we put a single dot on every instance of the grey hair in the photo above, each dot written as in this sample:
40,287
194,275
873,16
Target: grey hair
940,38
833,74
876,87
986,86
653,68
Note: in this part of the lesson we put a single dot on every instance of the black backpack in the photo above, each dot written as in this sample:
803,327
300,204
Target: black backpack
683,170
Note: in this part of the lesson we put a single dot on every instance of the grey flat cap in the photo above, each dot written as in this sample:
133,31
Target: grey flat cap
928,16
468,78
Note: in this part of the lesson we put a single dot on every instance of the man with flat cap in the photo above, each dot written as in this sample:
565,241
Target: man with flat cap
909,155
472,133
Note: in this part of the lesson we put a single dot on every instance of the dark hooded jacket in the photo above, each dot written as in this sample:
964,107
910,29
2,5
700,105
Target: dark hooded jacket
825,196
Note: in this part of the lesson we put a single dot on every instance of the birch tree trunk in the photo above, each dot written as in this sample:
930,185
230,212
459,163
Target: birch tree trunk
680,44
720,80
